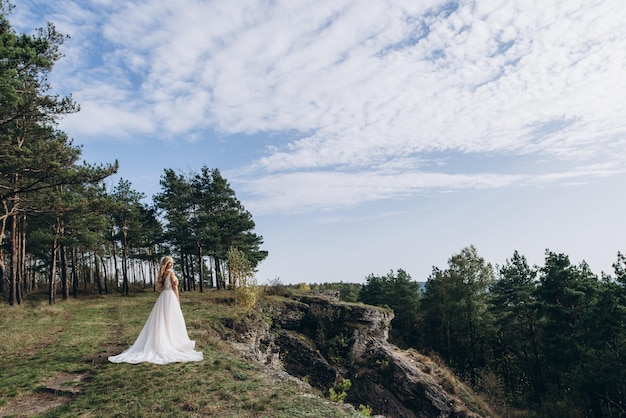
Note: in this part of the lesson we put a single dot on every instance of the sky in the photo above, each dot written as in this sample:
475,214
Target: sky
364,136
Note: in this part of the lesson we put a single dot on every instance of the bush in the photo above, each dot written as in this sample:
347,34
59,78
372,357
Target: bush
340,391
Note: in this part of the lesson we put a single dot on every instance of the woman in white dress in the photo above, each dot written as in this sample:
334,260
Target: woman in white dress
163,338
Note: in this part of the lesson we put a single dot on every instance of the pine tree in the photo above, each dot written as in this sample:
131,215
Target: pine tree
516,346
400,293
454,309
35,156
205,219
127,215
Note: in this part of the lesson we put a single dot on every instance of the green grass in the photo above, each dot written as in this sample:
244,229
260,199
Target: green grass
40,343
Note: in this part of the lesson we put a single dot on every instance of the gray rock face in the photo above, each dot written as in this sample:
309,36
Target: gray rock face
323,341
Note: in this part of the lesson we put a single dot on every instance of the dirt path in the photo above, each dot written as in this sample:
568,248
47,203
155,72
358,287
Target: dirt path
57,391
62,388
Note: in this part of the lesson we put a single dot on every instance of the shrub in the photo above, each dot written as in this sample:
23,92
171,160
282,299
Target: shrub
340,391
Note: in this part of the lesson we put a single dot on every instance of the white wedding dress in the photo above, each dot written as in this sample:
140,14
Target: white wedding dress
163,338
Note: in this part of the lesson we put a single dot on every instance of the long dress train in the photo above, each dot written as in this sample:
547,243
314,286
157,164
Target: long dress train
163,338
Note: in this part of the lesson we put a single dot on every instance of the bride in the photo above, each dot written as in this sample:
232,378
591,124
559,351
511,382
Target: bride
163,338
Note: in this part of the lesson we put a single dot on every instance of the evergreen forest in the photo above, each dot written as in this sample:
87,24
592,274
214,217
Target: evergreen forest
61,227
548,339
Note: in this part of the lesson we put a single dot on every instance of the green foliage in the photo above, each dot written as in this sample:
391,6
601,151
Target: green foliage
549,338
340,391
242,278
42,343
514,307
553,337
383,364
454,312
277,288
620,268
204,217
71,212
39,171
247,296
365,410
337,348
565,294
400,293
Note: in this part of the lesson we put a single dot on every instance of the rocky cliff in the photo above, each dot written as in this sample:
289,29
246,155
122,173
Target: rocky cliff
323,341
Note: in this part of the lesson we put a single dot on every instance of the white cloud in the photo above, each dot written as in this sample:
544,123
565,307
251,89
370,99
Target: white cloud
296,192
118,122
306,191
368,85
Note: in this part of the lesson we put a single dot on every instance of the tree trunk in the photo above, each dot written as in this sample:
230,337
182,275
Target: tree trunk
537,369
200,268
115,266
212,283
155,272
104,273
84,270
2,270
3,226
215,269
29,278
151,265
471,341
220,276
52,278
64,274
192,276
143,273
96,269
87,262
133,273
125,285
13,285
183,268
74,257
21,277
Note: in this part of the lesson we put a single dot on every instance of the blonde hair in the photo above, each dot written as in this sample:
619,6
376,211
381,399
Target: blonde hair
166,262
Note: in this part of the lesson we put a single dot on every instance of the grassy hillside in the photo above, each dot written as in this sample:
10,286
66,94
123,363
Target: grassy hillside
53,363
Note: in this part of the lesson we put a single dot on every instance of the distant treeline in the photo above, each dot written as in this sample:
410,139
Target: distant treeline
59,224
550,340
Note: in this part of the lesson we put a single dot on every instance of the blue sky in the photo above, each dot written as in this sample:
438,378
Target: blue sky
365,136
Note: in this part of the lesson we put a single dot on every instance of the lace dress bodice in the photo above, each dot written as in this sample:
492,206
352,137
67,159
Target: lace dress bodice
167,284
